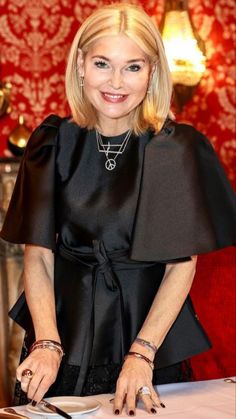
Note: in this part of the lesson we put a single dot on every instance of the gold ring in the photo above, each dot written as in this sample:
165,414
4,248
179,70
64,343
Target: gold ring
27,373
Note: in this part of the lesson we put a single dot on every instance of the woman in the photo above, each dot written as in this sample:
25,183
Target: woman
111,232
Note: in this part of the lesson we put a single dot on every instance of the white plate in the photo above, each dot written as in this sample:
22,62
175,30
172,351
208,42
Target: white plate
70,404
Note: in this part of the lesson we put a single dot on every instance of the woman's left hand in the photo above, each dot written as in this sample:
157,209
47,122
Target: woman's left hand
135,374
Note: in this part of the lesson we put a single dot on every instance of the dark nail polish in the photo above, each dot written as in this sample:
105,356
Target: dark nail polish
33,403
131,413
117,412
162,405
153,410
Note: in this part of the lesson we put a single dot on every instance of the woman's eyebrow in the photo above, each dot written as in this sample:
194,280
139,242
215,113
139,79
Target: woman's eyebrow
101,57
134,60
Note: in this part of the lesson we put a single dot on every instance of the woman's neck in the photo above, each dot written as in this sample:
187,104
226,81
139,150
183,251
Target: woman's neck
112,127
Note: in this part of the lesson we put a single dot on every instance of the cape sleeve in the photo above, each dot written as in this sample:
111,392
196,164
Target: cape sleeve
30,218
186,204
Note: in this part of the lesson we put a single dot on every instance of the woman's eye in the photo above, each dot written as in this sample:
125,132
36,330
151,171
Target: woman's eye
134,67
101,64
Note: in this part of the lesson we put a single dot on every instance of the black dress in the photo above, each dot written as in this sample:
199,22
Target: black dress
103,294
99,303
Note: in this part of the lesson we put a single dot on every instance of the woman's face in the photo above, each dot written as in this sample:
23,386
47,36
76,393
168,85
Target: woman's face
116,76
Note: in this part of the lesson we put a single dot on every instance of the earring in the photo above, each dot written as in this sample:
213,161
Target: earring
149,90
81,81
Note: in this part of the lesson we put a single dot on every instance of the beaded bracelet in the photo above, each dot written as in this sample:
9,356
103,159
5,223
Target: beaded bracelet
47,344
140,356
147,344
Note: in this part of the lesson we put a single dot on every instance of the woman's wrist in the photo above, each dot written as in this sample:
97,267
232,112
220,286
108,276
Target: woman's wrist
146,344
49,344
46,332
141,357
47,336
135,347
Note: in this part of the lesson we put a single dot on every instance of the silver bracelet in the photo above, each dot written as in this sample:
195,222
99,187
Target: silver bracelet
147,344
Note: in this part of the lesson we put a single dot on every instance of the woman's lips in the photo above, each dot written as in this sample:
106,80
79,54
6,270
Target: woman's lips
113,97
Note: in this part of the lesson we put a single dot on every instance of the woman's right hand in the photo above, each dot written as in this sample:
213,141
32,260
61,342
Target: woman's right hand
44,364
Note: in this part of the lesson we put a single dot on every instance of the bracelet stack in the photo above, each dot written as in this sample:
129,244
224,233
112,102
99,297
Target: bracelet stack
140,356
48,344
149,345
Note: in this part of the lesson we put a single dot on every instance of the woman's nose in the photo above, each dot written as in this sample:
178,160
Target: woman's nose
116,79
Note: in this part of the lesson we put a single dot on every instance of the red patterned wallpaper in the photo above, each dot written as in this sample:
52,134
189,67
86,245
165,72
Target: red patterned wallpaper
35,37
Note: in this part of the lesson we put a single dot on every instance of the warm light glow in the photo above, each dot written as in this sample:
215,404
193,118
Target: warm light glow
21,142
186,60
21,119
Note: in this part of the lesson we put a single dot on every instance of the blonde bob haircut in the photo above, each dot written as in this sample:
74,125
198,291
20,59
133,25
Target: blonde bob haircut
133,22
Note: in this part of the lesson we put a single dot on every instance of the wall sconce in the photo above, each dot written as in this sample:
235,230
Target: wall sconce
18,138
184,49
5,90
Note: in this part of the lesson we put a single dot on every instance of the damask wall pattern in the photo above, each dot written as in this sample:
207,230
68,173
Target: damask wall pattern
35,37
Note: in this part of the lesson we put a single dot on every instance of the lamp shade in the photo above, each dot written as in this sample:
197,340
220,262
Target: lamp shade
184,49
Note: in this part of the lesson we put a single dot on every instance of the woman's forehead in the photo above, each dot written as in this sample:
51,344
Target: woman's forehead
116,46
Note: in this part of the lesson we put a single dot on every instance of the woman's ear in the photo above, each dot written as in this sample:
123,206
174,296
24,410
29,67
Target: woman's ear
80,62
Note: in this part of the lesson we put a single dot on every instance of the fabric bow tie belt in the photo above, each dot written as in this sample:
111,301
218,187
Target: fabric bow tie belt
105,263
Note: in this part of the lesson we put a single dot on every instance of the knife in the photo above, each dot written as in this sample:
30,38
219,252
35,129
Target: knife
55,409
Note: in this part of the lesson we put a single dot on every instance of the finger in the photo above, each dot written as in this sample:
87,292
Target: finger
119,402
25,382
25,376
34,385
40,384
19,371
120,397
131,401
148,403
156,398
38,388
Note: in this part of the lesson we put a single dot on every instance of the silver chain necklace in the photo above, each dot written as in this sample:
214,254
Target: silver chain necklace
110,163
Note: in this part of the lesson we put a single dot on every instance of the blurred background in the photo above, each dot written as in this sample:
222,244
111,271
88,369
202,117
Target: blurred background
35,37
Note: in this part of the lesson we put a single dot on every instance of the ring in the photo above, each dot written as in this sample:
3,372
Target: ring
144,391
27,373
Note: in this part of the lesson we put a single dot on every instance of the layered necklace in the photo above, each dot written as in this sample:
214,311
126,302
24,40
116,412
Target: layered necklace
112,151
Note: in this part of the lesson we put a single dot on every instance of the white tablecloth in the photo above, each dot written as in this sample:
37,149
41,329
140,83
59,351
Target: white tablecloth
213,399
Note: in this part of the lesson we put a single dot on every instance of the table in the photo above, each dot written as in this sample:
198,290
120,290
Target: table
212,399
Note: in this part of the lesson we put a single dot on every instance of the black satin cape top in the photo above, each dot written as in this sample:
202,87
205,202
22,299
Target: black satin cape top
112,232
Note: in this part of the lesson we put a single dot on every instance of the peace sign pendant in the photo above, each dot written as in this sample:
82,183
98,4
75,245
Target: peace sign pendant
110,164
